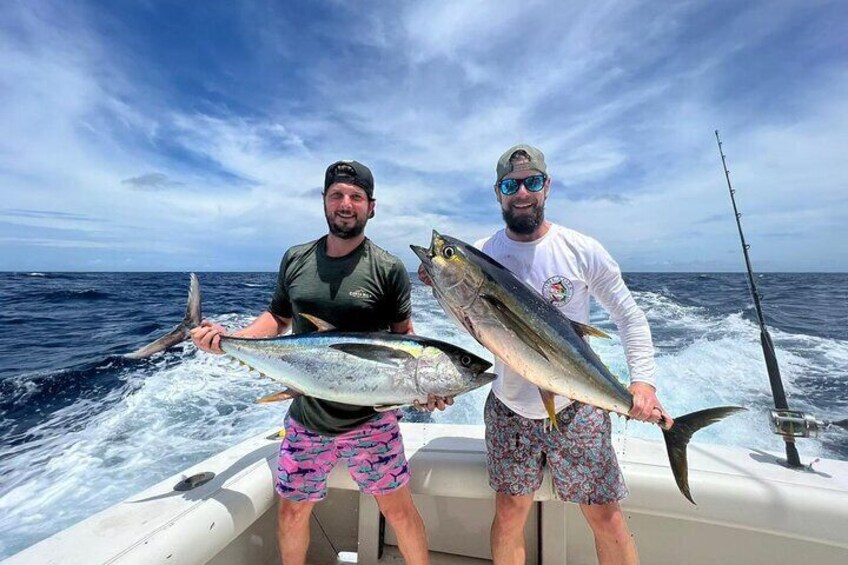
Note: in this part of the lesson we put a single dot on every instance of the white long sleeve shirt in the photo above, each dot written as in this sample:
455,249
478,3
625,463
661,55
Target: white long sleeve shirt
566,268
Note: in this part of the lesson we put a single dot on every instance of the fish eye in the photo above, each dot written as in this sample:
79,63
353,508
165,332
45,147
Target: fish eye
449,251
465,360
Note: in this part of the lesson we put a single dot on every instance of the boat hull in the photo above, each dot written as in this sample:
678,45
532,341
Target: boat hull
750,509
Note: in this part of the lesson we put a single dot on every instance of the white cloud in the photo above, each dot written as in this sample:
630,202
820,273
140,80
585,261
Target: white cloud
623,98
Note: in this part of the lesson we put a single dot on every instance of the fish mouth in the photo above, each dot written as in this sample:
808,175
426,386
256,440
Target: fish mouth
423,254
485,378
426,255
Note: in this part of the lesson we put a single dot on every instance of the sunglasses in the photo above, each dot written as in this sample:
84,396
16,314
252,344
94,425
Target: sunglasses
508,187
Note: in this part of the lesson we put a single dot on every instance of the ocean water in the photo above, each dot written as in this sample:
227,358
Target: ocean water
82,428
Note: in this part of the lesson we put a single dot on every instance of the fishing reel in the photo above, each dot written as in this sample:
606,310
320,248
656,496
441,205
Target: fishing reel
794,424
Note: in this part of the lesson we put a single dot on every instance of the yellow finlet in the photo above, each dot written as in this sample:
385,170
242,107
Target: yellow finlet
550,407
285,394
277,435
585,329
319,323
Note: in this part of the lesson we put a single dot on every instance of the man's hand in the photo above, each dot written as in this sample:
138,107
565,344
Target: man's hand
646,405
423,276
434,402
207,336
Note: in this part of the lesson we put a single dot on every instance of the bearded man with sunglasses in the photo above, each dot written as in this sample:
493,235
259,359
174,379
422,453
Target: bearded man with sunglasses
566,268
351,283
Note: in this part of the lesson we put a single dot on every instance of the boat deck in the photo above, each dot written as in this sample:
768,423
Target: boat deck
751,509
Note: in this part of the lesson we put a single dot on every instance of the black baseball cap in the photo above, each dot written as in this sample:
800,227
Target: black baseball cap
352,172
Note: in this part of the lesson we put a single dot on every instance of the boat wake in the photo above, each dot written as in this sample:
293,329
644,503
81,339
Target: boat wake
77,440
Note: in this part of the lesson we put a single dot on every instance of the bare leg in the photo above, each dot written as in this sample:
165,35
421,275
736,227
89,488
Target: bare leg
613,542
400,512
293,530
508,528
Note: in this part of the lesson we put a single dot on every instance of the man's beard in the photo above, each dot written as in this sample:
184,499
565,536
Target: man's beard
345,230
526,221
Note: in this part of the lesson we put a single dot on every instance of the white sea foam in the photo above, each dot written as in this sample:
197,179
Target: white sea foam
178,414
702,361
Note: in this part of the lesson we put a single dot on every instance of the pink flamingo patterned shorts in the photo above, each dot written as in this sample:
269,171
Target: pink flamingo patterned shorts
373,453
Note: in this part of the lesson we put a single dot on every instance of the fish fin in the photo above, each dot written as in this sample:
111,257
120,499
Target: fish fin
319,323
193,314
192,319
677,438
376,353
250,368
585,329
525,333
177,335
285,394
389,407
550,407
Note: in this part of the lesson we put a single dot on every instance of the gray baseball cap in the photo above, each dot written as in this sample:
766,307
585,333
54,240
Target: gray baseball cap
537,161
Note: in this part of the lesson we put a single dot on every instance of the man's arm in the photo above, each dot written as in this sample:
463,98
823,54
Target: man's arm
265,325
207,336
402,327
607,285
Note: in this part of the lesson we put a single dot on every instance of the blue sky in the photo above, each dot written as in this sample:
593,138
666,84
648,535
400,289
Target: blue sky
185,136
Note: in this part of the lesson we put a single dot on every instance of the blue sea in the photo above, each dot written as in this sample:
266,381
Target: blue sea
82,428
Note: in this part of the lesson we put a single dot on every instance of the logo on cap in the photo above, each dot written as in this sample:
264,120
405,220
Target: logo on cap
350,171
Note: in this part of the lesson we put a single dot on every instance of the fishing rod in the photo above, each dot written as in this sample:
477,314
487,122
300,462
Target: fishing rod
790,424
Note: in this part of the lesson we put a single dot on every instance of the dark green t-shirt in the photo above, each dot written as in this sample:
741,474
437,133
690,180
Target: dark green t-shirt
364,291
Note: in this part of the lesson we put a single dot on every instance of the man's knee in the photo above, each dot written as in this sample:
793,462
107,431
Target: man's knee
403,514
398,507
511,510
605,518
293,513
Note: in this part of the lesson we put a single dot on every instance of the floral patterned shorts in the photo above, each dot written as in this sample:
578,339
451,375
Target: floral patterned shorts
580,456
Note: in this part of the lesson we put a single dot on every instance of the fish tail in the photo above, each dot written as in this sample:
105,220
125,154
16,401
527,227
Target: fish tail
193,316
678,436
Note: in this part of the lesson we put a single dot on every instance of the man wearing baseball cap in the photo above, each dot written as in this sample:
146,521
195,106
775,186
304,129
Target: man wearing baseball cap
351,283
566,268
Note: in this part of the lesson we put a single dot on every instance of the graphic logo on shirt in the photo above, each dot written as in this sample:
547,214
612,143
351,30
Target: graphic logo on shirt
360,293
558,290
